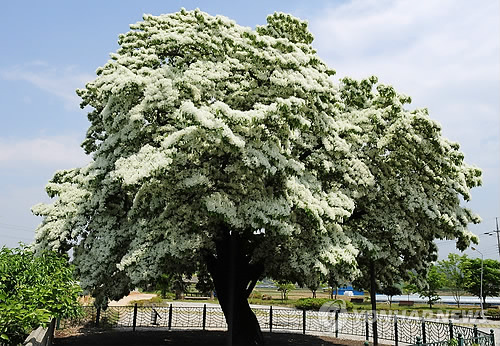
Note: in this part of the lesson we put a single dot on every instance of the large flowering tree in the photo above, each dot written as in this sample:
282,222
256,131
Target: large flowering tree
419,181
220,146
210,143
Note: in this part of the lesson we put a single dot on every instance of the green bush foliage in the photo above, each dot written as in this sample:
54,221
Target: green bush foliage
317,303
33,290
493,313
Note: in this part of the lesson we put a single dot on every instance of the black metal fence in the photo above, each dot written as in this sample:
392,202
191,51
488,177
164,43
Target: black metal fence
486,340
398,329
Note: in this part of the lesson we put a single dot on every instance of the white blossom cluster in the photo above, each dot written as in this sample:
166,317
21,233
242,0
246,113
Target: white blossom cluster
199,122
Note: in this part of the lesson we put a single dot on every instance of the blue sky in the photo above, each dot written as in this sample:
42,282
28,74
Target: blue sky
445,54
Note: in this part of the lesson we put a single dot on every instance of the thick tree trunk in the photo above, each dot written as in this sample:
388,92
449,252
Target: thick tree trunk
373,299
234,278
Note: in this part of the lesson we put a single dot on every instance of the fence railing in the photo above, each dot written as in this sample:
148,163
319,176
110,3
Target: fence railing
398,329
485,340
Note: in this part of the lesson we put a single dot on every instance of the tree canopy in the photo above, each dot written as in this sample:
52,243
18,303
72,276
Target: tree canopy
206,136
490,278
200,124
419,180
453,269
434,281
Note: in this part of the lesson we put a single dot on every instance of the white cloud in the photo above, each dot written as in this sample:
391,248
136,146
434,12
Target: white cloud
60,82
58,151
422,40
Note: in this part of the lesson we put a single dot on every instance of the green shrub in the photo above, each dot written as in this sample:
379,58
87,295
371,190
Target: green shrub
157,301
493,313
165,295
317,303
33,290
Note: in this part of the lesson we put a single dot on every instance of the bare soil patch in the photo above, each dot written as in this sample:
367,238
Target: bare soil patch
179,337
131,297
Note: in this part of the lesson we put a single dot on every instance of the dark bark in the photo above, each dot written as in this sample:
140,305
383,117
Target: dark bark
373,299
234,278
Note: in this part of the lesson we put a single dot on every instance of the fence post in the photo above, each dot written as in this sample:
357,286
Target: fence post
419,341
204,315
367,327
396,330
424,338
170,317
270,319
492,335
58,323
336,323
134,321
451,329
303,321
51,332
97,316
460,339
476,341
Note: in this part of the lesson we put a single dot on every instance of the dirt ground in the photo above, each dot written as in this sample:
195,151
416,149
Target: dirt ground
132,296
178,338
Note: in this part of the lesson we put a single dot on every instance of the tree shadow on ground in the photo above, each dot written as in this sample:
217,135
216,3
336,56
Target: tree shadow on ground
179,337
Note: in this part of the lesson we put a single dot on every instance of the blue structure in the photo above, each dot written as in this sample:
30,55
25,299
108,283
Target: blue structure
341,291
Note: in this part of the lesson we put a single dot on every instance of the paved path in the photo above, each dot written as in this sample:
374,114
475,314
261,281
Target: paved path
198,338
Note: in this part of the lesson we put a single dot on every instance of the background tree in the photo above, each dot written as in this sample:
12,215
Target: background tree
491,277
210,143
434,281
164,285
284,288
33,290
409,288
453,271
205,284
313,284
419,179
340,277
179,286
391,291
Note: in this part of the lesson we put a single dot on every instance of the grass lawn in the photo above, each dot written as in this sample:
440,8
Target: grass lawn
421,310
